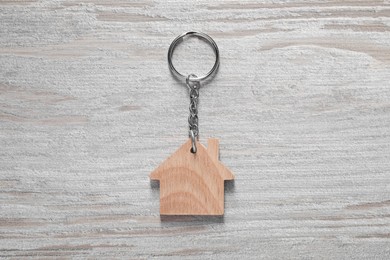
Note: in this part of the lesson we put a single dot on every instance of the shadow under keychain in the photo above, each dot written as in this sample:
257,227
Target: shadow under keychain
192,178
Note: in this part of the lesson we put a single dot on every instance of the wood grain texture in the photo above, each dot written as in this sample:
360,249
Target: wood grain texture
88,108
192,183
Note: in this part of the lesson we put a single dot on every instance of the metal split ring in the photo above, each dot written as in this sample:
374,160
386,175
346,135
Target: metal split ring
178,40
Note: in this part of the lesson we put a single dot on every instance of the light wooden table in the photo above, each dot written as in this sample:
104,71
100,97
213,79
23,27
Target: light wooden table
88,109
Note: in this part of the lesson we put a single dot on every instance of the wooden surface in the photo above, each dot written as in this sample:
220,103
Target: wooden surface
88,108
193,183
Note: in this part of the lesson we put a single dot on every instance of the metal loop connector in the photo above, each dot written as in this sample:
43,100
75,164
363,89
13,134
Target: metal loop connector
193,82
193,141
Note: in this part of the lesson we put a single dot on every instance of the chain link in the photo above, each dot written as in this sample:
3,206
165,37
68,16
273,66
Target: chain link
193,84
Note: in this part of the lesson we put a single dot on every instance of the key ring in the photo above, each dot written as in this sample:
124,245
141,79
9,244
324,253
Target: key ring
178,40
193,82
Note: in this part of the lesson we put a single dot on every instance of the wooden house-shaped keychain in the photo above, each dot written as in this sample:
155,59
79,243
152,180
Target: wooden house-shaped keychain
192,183
192,180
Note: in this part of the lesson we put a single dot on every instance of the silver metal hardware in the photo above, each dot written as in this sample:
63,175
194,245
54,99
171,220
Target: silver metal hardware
193,82
179,39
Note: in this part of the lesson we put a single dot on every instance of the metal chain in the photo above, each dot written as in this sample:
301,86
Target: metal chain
193,84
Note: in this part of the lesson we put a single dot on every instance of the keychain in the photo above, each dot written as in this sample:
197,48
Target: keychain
192,178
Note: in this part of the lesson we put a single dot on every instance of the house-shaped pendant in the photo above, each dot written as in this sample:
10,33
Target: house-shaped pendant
192,183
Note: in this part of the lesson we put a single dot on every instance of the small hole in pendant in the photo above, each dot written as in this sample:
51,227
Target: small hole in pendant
192,150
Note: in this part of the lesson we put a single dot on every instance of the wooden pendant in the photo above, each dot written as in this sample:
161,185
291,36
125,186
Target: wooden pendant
192,183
